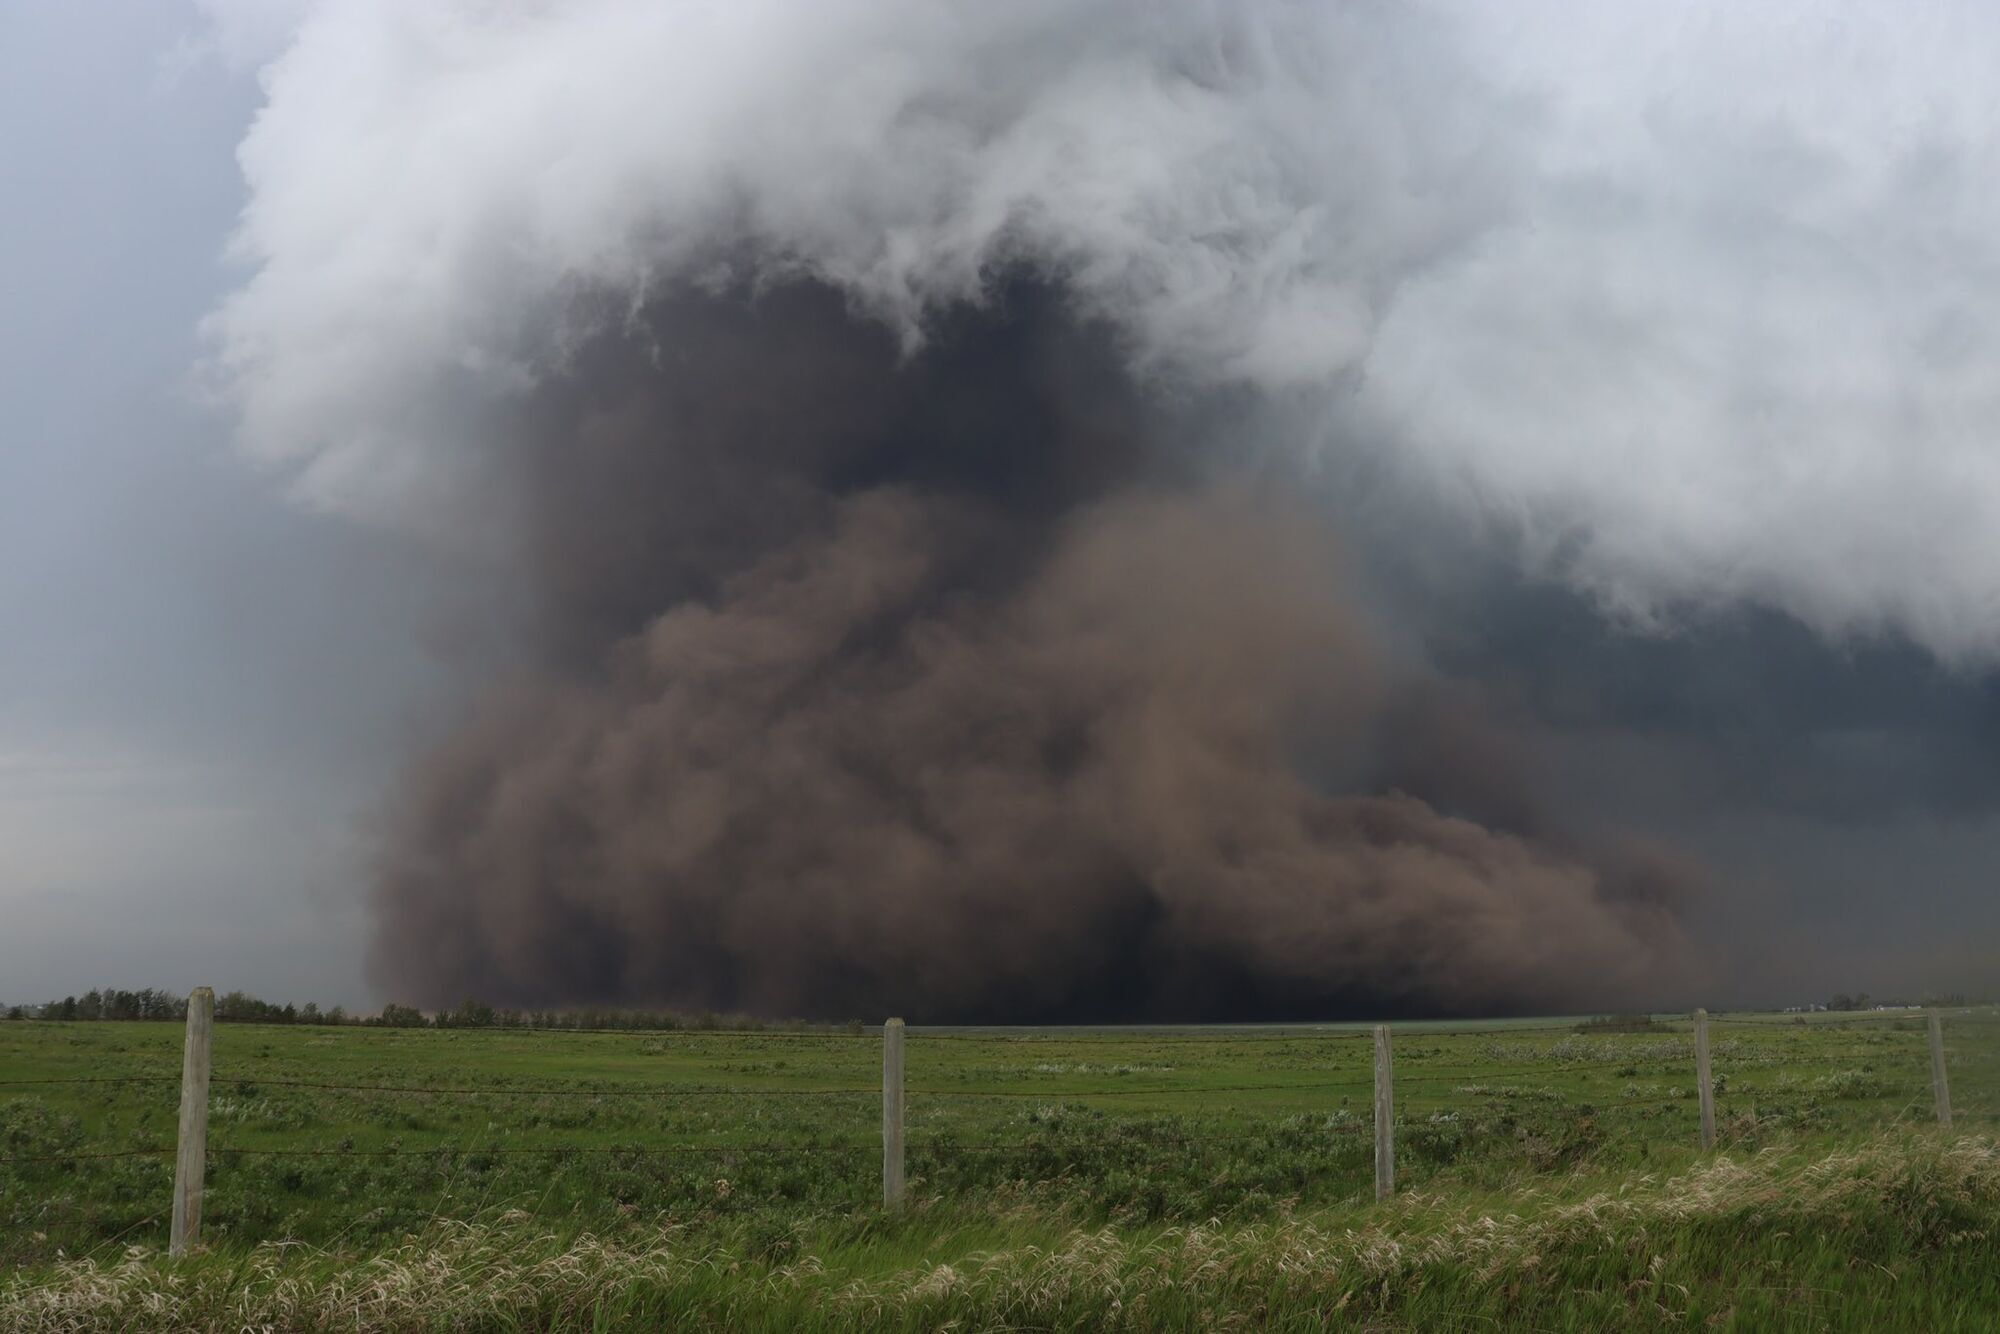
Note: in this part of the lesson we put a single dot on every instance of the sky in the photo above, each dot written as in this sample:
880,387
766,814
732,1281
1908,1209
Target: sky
198,679
1642,361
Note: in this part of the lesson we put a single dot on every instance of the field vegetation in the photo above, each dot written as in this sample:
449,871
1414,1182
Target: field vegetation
1549,1176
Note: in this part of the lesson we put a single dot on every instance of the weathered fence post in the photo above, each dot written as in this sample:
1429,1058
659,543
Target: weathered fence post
191,1157
1703,1079
1939,1087
892,1113
1385,1117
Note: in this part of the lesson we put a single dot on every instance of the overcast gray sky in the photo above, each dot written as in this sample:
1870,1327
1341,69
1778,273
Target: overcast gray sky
1663,335
198,681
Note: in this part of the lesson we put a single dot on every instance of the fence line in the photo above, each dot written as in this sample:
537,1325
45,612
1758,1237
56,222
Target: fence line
1132,1092
1417,1028
1041,1150
192,1152
740,1090
1528,1068
1165,1037
94,1079
1847,1019
153,1151
745,1091
512,1150
550,1091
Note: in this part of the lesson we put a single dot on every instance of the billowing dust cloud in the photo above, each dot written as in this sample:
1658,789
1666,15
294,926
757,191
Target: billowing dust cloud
895,425
984,681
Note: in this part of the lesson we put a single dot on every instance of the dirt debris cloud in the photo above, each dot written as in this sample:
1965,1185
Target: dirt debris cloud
973,684
869,407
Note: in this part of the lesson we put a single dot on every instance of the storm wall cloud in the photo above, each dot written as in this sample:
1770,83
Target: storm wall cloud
951,469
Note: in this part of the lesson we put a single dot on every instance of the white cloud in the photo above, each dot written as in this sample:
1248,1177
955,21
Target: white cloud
430,182
1739,342
243,34
1696,297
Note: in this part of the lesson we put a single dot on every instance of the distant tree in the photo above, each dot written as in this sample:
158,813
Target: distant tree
239,1007
469,1014
152,1003
17,1012
402,1016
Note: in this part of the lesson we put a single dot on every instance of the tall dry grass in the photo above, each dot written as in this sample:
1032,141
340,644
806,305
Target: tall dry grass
1781,1233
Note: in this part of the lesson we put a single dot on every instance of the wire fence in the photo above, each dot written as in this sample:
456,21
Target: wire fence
1642,1055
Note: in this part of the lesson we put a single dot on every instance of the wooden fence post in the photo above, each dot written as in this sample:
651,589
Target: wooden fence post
892,1113
1939,1087
191,1155
1703,1079
1385,1117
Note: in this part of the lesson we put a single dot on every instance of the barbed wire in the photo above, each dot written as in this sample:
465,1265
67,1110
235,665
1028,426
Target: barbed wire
770,1148
763,1148
669,1091
1473,1080
864,1033
1550,1067
256,1082
1578,1028
1803,1024
1410,1030
1163,1037
1128,1092
546,1091
1412,1071
167,1149
938,1150
673,1091
93,1079
933,1148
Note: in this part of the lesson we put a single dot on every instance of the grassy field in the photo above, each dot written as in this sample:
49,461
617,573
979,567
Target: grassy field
1550,1178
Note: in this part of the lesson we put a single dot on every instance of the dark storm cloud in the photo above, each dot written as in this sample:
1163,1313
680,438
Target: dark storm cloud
951,684
1843,797
1780,719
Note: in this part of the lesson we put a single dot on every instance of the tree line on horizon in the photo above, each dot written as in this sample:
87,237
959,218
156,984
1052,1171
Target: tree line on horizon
1863,1001
157,1005
238,1007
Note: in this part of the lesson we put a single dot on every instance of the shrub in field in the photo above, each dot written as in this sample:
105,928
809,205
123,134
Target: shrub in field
1567,1145
29,1127
1437,1138
1618,1023
1850,1084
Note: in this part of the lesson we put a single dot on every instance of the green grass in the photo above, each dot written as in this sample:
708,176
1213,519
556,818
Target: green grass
1549,1179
